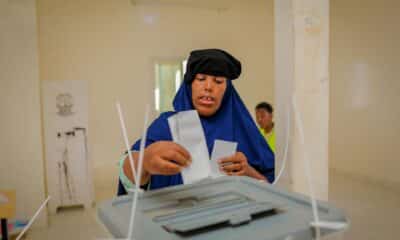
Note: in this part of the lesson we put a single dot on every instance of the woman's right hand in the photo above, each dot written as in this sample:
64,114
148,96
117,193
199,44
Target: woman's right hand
165,158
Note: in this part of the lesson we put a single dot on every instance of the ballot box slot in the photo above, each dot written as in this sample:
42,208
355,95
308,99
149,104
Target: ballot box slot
219,217
204,210
219,226
202,186
166,208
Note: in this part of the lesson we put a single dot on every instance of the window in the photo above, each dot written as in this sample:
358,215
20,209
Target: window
169,75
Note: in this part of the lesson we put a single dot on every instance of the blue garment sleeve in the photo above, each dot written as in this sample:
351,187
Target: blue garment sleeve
157,131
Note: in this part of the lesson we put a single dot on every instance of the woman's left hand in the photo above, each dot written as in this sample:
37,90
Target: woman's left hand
235,165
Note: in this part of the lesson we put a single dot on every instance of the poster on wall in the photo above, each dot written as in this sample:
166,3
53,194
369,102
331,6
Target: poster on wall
65,117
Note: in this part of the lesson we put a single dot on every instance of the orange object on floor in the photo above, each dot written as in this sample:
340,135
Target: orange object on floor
7,210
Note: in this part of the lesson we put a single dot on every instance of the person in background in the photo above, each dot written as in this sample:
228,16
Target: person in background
264,117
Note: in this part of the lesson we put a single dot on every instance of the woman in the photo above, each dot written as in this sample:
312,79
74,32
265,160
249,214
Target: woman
207,88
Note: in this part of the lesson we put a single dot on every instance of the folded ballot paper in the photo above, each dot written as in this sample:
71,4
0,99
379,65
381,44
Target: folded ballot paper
221,149
187,131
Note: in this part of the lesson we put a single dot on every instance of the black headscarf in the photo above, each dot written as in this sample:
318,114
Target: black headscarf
214,62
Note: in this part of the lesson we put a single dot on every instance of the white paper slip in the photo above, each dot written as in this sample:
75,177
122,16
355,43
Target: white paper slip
187,131
221,149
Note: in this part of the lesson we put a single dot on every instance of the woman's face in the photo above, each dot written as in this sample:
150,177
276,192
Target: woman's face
207,93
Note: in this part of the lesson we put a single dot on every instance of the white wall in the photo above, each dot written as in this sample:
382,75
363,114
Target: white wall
365,89
113,44
21,161
284,84
302,53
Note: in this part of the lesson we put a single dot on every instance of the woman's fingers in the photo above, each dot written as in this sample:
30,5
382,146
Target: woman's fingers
235,165
170,168
166,167
239,173
176,157
234,170
228,160
232,167
165,158
236,158
182,151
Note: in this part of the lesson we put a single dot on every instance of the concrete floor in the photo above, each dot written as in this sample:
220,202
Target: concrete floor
372,209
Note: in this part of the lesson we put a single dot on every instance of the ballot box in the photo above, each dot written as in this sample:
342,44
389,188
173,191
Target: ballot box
223,208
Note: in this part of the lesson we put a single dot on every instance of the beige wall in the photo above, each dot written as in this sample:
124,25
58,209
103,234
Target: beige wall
110,44
21,161
302,77
284,84
365,89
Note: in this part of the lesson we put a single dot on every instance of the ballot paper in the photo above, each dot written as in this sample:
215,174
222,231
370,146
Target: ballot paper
221,149
187,131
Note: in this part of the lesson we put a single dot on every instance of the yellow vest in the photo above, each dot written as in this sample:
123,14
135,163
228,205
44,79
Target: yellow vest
270,138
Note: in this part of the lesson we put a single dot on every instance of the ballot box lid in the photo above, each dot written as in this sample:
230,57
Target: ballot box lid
222,208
